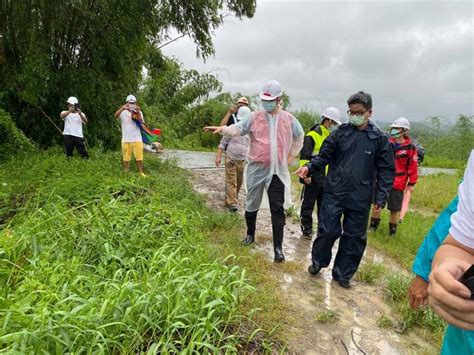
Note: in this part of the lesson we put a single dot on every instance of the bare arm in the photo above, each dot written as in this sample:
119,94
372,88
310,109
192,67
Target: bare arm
218,157
226,117
453,249
83,117
119,111
64,114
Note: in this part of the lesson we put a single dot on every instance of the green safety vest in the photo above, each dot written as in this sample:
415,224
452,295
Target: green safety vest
318,135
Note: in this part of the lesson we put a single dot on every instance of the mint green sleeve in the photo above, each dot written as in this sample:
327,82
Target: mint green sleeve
433,240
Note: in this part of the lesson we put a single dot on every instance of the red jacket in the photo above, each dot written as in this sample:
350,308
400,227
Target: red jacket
406,164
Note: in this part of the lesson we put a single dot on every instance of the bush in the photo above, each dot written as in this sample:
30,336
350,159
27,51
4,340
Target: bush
95,260
12,140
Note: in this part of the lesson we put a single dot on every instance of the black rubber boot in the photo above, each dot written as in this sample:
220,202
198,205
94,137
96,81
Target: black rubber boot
251,220
278,243
250,239
392,229
314,269
374,223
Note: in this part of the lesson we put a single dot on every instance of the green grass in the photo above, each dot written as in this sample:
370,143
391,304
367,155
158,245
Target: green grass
435,191
443,162
385,322
370,273
94,260
431,196
407,319
328,316
410,234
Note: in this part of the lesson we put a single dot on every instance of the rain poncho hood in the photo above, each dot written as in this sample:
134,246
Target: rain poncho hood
272,139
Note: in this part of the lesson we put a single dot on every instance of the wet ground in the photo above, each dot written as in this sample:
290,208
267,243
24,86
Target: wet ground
356,311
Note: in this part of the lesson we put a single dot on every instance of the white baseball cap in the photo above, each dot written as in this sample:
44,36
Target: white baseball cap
131,98
401,122
72,100
243,112
271,90
333,114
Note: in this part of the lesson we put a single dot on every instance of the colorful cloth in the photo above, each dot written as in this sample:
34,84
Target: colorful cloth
149,136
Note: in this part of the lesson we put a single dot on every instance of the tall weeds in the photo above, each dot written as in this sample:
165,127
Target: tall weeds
93,260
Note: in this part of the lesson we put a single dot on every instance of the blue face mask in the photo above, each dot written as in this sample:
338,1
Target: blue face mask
333,128
357,120
395,133
269,106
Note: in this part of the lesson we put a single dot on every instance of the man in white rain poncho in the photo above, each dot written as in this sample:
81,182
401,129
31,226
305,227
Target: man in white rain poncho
276,137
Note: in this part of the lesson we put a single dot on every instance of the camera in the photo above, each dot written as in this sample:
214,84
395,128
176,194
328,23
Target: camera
77,106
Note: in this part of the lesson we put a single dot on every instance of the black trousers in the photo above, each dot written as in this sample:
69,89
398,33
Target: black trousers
72,141
353,234
310,195
276,198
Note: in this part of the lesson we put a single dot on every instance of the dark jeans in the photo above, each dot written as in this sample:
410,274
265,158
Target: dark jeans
353,234
310,195
276,198
72,141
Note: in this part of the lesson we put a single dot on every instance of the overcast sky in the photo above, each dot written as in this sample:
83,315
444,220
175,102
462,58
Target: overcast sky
414,57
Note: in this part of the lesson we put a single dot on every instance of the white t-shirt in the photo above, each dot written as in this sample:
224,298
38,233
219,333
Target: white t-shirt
130,131
462,221
73,125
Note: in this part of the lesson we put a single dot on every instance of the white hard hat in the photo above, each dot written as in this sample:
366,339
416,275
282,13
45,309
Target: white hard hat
271,90
401,122
72,100
333,114
131,98
243,112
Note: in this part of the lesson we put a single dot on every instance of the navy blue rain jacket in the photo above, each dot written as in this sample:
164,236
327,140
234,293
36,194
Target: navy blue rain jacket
361,166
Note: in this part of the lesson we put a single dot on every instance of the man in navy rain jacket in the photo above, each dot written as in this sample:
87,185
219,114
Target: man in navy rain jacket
361,171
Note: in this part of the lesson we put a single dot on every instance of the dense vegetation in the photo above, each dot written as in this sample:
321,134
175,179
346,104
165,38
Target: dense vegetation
94,260
95,50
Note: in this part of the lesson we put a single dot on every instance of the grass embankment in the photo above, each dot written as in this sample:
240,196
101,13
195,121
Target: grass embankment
95,260
432,194
443,162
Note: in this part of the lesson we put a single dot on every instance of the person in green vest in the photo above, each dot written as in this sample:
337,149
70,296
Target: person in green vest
313,185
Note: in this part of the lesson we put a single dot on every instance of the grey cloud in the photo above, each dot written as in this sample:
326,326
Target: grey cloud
415,58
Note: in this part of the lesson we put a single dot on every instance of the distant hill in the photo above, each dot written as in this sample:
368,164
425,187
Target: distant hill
416,125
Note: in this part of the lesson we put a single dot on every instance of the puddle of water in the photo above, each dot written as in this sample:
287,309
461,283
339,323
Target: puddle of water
327,294
191,160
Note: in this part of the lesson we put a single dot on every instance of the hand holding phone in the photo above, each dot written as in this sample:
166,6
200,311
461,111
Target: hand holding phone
467,279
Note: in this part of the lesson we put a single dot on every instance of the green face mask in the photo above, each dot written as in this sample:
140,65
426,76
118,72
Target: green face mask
395,133
357,120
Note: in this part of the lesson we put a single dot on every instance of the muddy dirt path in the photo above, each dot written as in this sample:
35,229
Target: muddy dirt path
357,309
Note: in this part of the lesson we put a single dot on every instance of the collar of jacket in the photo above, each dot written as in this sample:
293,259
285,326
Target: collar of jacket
317,129
406,144
371,129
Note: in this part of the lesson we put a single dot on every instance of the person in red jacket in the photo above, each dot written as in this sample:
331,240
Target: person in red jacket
406,173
